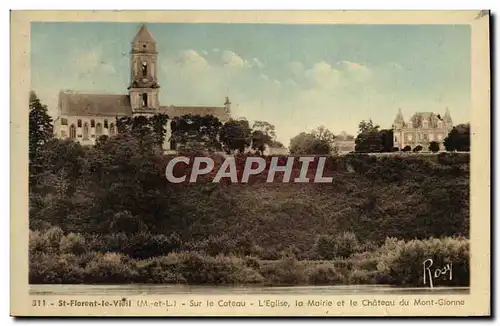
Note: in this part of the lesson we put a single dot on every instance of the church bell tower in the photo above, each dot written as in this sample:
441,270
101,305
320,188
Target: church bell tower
144,87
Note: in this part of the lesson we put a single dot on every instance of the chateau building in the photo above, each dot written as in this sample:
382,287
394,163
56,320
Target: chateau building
85,117
421,129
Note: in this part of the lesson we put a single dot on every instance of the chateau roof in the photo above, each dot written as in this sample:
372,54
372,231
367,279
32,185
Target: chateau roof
177,111
143,35
77,104
424,115
419,117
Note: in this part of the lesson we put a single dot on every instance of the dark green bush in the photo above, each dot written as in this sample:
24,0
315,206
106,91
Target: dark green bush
342,245
402,262
324,274
287,271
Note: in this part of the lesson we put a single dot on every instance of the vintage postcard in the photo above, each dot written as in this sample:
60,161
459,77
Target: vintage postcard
232,163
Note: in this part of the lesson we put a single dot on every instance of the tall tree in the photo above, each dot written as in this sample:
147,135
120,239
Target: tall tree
41,129
194,132
150,131
323,134
369,139
235,135
263,134
318,142
367,126
387,139
458,139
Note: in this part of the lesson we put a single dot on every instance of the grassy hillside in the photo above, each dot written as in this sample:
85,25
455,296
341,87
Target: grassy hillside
116,198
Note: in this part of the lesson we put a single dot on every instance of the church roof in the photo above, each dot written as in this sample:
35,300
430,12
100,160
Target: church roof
143,35
177,111
78,104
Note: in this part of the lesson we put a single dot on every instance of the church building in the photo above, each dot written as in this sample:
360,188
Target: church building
421,129
85,117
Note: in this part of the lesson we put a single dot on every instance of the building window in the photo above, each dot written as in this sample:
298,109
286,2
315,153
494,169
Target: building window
409,136
431,137
440,124
440,136
64,121
105,123
92,123
425,137
111,129
144,69
98,129
85,131
425,123
79,123
63,133
395,139
72,131
144,100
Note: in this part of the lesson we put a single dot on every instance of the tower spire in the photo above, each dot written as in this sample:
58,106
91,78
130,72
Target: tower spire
144,87
143,35
447,117
399,120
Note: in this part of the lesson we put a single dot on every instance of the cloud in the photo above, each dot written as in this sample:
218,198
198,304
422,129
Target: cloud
296,68
257,63
317,94
322,75
356,71
233,60
192,59
93,62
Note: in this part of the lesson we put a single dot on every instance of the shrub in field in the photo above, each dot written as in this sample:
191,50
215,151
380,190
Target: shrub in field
109,268
72,244
287,271
402,263
324,274
54,269
342,245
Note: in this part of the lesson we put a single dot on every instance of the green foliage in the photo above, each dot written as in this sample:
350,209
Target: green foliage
402,262
418,148
458,139
150,132
387,140
194,132
235,135
73,244
41,129
454,159
434,146
287,271
372,140
368,126
324,274
342,245
318,142
395,262
263,135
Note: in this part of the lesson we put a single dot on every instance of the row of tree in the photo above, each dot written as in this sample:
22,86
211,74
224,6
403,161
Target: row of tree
202,133
372,139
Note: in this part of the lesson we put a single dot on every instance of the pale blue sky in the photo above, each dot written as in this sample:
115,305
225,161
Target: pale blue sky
297,77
